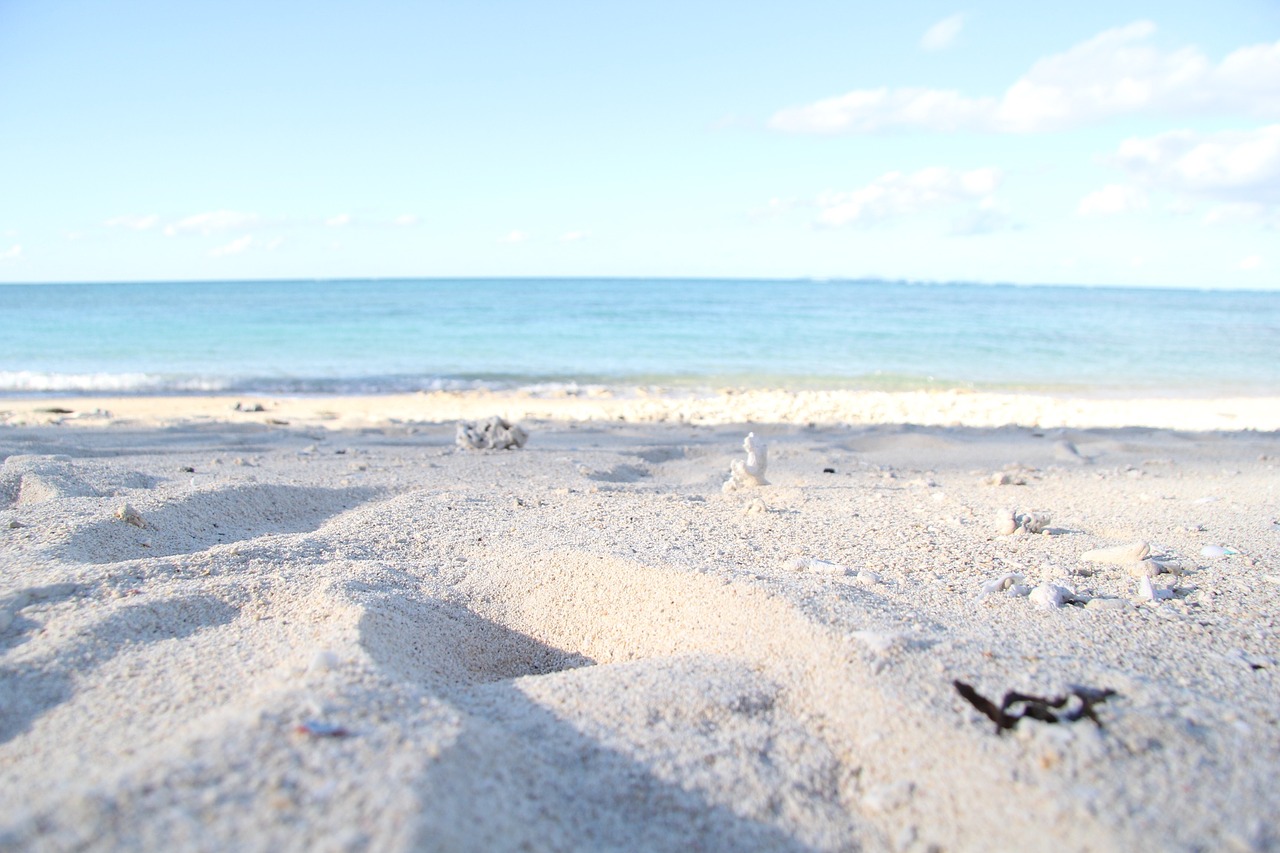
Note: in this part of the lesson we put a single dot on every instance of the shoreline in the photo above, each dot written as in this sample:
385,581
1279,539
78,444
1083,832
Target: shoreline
957,408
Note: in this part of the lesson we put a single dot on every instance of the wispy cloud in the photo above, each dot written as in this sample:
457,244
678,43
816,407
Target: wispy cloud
943,34
210,223
14,251
1234,165
896,194
516,236
338,220
405,220
1112,74
235,247
1111,200
133,223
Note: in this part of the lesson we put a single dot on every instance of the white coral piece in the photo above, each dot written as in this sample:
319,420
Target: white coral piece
494,434
750,473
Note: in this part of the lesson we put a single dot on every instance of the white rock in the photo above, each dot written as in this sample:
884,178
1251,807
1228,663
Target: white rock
1005,522
1119,555
1050,596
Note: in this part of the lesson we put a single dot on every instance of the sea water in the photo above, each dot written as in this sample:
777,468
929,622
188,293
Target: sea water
373,336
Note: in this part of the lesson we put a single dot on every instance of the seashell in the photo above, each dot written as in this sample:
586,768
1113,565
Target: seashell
1119,555
1217,551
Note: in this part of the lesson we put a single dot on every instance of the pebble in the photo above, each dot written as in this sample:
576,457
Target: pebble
1050,596
129,515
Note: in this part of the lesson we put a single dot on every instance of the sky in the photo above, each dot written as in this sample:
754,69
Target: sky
1124,142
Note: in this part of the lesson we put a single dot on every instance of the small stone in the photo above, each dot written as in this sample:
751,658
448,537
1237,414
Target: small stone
1050,596
129,515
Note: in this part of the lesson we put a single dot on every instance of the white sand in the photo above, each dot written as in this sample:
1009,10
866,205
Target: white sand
585,644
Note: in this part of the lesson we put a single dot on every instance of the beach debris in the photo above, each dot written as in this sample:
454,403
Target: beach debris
751,472
1004,583
1078,704
828,470
320,728
1051,596
755,507
129,515
256,407
1009,522
1119,555
1006,478
494,434
1151,566
1148,592
1217,552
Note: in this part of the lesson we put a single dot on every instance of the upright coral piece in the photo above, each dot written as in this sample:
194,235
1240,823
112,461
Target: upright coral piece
750,473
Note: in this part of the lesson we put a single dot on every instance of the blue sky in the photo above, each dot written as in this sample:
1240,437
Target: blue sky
1108,143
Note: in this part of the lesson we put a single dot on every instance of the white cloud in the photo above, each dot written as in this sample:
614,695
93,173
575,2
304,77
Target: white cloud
573,236
1112,199
896,194
943,34
1250,263
338,221
1114,73
133,223
1234,165
516,236
235,247
14,251
210,223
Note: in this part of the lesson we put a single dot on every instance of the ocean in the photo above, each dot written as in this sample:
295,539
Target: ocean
376,336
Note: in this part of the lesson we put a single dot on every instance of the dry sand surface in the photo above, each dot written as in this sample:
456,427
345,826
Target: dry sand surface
323,626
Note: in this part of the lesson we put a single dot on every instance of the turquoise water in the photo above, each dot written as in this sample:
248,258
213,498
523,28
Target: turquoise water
374,336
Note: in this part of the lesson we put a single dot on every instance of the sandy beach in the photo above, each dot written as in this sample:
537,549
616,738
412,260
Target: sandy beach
310,623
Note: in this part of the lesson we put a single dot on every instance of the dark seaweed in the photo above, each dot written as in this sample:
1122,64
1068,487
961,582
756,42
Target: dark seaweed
1059,709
